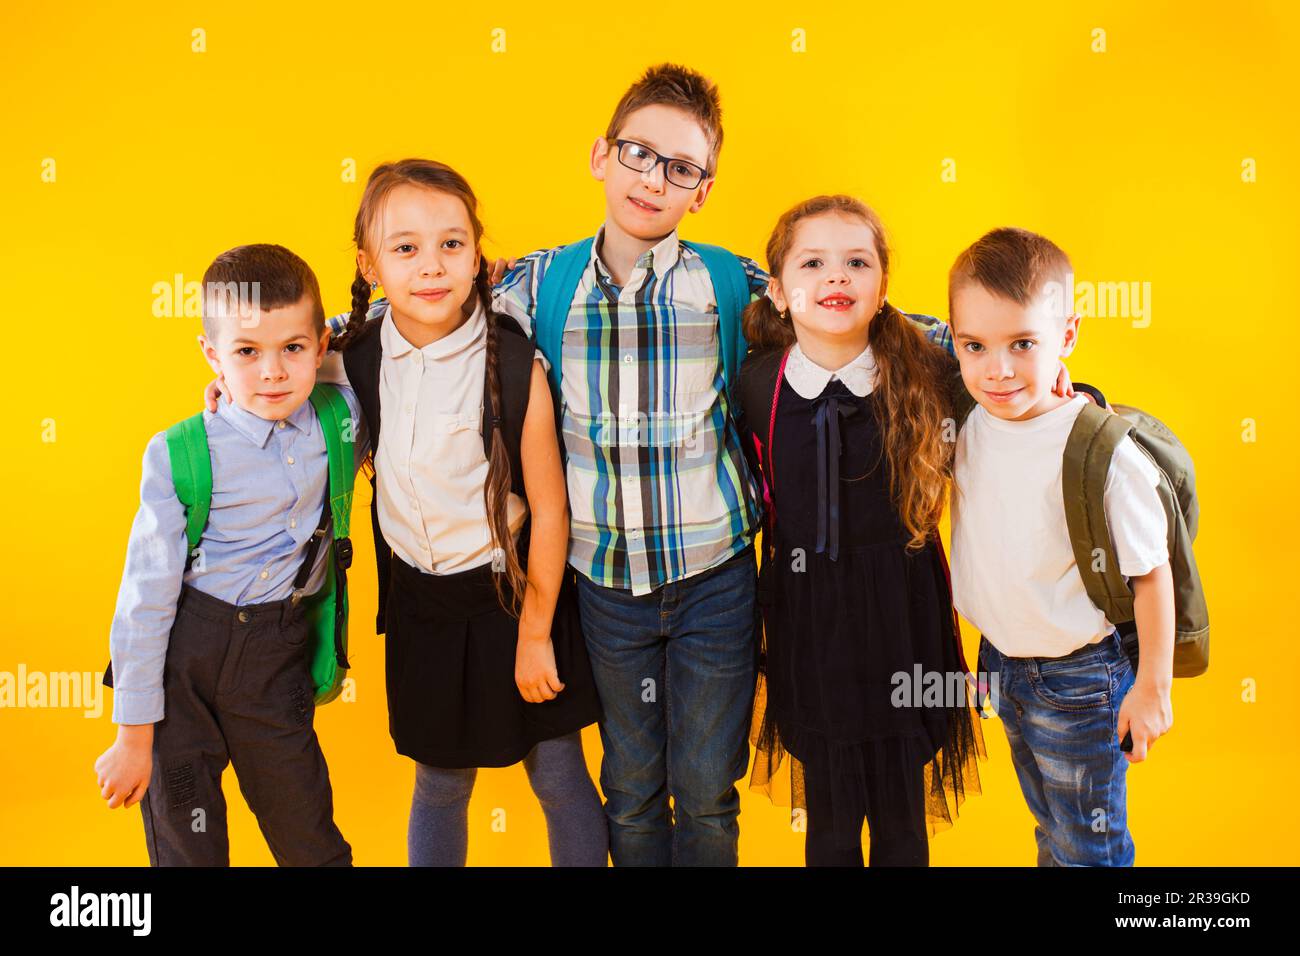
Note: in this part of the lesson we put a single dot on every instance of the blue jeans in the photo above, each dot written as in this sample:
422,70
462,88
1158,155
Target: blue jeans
675,670
1060,716
575,826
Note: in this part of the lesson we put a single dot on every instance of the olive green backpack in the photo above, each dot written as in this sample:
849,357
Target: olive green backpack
1088,452
1086,462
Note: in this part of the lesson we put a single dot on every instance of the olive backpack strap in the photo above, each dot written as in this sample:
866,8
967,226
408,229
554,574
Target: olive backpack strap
1088,452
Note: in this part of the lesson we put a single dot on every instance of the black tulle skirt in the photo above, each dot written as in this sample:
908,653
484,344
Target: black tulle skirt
863,675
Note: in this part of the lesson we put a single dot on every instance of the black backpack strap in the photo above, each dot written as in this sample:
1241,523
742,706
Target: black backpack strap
515,373
361,360
313,548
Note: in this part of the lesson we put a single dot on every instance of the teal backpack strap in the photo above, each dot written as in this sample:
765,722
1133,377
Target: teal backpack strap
191,464
731,290
555,295
337,426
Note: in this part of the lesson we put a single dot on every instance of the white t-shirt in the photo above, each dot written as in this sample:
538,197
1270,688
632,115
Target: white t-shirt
430,462
1013,570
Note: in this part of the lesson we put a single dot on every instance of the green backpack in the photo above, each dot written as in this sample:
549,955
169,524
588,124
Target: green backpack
327,609
1088,452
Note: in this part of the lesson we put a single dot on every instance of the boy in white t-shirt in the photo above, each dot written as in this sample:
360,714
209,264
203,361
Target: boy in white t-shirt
1065,689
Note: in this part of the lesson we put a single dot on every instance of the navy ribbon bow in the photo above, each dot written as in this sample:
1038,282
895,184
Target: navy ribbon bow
830,409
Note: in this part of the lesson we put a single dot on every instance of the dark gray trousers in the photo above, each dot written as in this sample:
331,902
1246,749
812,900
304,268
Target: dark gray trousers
237,689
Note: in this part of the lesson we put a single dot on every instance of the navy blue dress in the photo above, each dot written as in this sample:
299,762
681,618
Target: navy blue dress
854,621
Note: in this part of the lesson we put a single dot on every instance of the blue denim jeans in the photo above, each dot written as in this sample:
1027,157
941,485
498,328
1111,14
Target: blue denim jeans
1060,716
675,670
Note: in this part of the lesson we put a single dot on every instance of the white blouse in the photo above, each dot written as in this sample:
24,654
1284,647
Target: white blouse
430,461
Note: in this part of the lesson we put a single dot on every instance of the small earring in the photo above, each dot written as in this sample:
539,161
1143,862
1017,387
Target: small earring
374,286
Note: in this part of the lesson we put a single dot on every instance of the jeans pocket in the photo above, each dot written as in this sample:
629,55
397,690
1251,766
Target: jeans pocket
297,629
1073,683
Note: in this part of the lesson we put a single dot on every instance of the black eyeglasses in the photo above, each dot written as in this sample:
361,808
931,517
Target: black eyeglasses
643,159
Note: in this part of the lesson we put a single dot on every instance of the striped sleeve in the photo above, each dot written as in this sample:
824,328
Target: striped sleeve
936,331
516,294
756,277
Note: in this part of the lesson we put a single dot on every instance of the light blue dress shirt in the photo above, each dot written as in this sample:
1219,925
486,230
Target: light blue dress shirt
268,490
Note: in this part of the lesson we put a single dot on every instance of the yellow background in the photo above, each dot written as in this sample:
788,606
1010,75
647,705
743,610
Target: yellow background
1131,159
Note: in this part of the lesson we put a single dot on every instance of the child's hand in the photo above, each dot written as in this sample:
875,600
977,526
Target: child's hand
499,268
124,768
215,389
1147,713
535,673
1063,387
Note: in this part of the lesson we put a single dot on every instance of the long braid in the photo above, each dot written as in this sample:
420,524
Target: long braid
496,489
357,318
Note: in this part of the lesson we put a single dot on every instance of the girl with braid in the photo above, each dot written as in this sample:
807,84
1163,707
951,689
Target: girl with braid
486,663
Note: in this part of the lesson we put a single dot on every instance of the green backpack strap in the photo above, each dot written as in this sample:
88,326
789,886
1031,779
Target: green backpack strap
731,290
338,428
191,464
1088,452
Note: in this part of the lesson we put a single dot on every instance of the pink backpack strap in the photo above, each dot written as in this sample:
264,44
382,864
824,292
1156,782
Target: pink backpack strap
771,440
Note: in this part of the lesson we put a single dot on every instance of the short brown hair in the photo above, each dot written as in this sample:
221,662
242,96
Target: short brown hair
1013,263
278,276
670,85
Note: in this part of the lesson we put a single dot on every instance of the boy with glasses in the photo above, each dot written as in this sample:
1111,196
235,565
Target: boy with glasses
641,333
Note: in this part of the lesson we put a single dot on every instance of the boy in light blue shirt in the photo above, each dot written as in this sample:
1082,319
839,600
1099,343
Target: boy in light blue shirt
210,650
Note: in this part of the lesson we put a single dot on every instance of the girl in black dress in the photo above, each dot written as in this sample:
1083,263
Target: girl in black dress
847,413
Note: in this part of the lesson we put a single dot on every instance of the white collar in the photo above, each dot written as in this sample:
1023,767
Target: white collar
660,258
395,344
809,379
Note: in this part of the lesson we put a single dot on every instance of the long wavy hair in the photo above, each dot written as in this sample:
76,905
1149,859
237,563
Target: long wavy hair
430,174
914,410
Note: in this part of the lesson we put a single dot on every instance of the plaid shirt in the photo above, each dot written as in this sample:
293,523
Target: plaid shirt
659,488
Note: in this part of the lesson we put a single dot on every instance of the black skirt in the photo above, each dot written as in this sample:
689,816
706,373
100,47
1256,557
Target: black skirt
450,669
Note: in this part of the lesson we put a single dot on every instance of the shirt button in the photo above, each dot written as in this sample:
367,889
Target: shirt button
244,617
293,522
290,459
627,359
264,575
279,424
